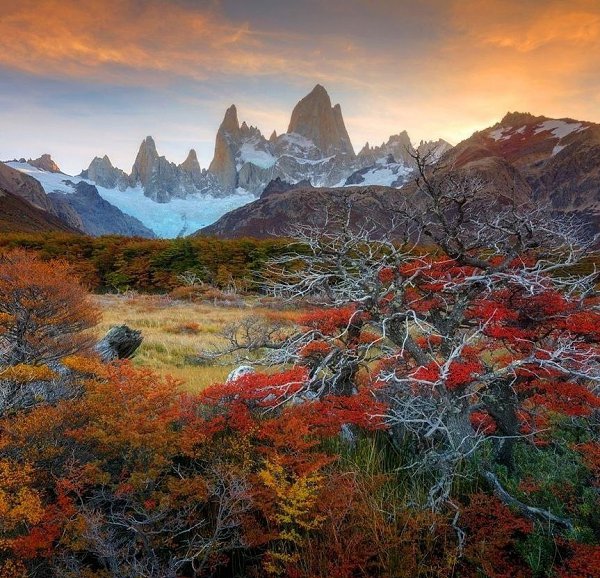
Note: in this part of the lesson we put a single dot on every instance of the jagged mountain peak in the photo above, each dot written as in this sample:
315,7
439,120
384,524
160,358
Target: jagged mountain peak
149,145
192,156
520,118
104,174
191,164
315,119
45,163
319,90
230,122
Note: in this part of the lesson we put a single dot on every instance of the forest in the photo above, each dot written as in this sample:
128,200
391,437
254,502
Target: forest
428,412
115,263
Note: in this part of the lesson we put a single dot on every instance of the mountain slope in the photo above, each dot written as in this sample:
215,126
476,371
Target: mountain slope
557,160
24,186
276,212
81,207
19,216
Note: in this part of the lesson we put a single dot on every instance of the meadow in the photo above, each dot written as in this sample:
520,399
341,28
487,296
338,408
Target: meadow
175,331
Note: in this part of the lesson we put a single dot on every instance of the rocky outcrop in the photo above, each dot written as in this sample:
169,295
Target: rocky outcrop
98,217
163,180
45,163
315,119
104,174
191,166
277,186
433,149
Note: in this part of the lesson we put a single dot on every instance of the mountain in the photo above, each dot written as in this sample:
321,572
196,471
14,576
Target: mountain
25,207
19,216
98,216
181,216
275,213
534,160
24,186
317,120
554,162
393,162
77,203
102,172
316,147
45,163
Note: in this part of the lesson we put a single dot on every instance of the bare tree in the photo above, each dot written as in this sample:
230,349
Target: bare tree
450,247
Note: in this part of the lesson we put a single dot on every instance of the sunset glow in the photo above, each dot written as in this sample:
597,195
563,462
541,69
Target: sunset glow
86,78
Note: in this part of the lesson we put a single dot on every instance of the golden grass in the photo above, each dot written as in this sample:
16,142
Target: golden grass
173,331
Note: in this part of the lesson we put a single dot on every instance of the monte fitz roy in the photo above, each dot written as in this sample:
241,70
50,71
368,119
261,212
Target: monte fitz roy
162,198
258,186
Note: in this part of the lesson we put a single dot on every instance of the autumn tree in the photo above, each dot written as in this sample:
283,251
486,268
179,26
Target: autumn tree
44,313
468,314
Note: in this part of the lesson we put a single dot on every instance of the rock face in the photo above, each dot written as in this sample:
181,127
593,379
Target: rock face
98,217
102,172
316,120
24,186
223,165
45,163
163,180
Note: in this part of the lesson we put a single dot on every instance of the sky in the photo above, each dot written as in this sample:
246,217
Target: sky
80,78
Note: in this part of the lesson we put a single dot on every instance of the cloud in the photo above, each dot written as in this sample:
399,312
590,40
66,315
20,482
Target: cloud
150,41
438,68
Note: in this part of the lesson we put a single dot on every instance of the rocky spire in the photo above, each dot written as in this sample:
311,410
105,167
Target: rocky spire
230,122
273,136
104,174
314,118
223,164
191,166
144,162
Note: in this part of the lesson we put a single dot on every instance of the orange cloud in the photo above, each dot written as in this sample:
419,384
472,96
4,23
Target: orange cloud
109,40
475,59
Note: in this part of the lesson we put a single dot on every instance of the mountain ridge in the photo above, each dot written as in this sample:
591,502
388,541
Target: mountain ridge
534,160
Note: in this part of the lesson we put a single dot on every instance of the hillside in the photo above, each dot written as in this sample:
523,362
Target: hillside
19,216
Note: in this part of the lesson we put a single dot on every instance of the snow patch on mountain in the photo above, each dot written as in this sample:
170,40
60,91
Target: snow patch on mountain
261,158
559,128
176,218
51,182
504,133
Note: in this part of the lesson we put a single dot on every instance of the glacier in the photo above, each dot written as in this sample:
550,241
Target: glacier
176,218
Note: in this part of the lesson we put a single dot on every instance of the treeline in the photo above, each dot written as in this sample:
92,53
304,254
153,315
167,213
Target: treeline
115,263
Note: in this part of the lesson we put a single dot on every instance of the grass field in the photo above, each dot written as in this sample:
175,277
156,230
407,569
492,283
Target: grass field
175,330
